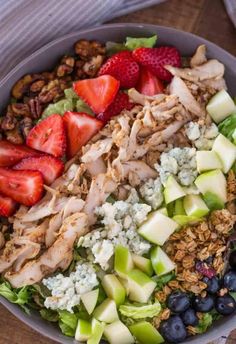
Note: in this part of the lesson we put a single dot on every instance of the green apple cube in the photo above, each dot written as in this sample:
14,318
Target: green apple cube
114,289
97,332
173,190
162,211
117,333
234,136
220,106
143,264
90,299
145,333
83,330
157,228
226,151
183,220
140,286
123,261
106,311
207,160
214,182
195,206
161,263
213,201
179,207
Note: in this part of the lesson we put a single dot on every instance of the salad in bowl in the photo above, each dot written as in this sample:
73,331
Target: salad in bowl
117,193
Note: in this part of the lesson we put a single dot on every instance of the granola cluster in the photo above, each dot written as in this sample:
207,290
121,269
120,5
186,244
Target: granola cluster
33,92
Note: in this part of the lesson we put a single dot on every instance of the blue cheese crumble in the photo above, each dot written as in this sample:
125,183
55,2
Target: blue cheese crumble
202,136
151,192
180,162
67,290
119,221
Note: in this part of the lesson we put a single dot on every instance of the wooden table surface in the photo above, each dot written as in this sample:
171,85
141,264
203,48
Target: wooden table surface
206,18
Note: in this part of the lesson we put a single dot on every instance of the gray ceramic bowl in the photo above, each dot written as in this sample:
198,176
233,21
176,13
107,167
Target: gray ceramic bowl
46,57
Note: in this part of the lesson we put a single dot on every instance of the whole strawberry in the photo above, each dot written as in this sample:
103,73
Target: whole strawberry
123,67
156,58
120,103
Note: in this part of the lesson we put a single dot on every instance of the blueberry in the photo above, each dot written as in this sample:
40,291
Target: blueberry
178,302
173,329
232,260
189,317
213,284
203,304
230,280
225,305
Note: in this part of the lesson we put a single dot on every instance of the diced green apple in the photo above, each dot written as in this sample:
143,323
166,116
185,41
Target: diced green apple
106,311
234,136
117,333
179,207
207,160
83,330
123,261
97,332
173,190
213,201
113,288
143,264
90,299
214,182
183,220
226,151
195,206
161,263
157,228
162,211
220,106
140,286
145,333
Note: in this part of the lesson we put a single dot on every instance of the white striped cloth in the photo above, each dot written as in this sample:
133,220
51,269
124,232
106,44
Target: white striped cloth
26,25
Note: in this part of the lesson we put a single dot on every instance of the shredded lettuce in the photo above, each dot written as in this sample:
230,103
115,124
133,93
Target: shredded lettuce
140,311
20,296
68,322
49,314
131,43
163,280
212,201
204,323
228,127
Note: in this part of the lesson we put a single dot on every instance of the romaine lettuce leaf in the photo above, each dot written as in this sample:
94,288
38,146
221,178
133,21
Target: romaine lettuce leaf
49,314
81,106
20,296
134,43
204,323
228,127
141,311
68,322
163,280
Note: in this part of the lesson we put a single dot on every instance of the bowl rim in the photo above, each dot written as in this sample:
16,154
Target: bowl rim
15,309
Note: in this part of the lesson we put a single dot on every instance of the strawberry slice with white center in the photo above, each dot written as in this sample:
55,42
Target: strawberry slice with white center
25,187
50,167
7,206
98,93
80,128
148,83
48,136
10,154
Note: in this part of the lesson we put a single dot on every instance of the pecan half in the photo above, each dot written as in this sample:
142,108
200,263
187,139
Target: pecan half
14,135
20,109
26,125
35,107
86,49
37,86
8,122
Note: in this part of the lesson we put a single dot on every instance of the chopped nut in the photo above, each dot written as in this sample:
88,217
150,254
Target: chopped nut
14,135
21,86
37,86
26,125
91,67
223,291
86,49
8,122
20,109
66,66
165,314
35,108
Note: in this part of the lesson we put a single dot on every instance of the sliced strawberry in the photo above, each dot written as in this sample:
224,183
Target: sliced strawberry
148,83
156,58
50,167
98,93
120,103
25,187
48,136
7,206
123,67
80,128
10,154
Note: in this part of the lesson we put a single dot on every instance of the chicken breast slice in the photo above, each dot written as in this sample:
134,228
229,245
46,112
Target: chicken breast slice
96,150
59,255
199,57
